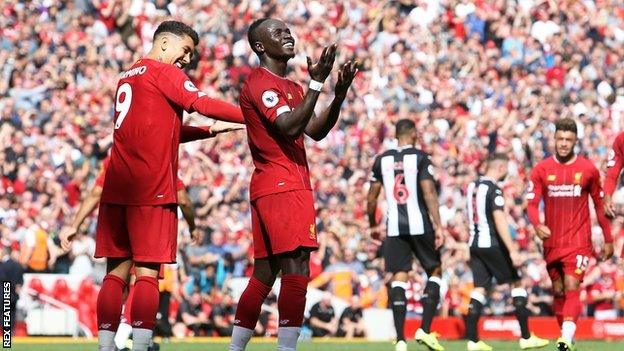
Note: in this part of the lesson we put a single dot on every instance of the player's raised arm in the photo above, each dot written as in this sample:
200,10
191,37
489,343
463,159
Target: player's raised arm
293,123
597,194
615,163
430,195
319,126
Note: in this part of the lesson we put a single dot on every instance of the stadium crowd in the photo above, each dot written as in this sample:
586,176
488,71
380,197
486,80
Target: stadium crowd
476,76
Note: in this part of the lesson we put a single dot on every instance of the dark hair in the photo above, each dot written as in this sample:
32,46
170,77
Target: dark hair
497,156
404,126
566,125
251,31
177,28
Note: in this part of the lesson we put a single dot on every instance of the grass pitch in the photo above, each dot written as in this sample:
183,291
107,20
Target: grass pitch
202,344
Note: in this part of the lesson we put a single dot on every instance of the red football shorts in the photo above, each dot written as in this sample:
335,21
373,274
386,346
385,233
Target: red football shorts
572,262
283,222
143,233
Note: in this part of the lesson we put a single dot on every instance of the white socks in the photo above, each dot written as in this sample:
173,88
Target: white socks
141,339
287,338
240,338
568,328
123,334
106,340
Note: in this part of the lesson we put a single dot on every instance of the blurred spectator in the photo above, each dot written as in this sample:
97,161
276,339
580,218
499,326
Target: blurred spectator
351,323
323,320
11,271
192,317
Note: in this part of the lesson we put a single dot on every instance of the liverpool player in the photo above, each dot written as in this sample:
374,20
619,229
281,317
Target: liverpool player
277,114
137,222
564,181
615,163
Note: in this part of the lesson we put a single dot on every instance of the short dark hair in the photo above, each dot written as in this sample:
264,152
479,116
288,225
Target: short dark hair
251,32
566,125
404,126
497,156
177,28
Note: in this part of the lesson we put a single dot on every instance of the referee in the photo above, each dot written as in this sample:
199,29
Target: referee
493,254
413,227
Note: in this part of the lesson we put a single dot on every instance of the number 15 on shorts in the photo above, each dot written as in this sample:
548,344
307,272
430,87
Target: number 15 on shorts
581,264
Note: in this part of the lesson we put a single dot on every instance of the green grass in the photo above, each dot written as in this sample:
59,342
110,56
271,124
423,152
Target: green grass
321,346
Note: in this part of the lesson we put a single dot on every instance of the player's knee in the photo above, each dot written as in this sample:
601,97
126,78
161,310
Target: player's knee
477,301
432,290
571,284
397,291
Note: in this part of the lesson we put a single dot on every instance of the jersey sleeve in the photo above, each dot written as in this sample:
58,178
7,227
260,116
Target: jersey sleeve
177,87
615,162
376,175
268,100
597,196
426,170
497,200
534,195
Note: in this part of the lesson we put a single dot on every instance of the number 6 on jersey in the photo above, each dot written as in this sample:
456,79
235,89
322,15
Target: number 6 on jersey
123,106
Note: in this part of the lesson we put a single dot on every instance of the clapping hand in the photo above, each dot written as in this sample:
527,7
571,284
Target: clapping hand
320,70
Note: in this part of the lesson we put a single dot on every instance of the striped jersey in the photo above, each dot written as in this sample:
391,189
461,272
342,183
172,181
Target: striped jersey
484,197
400,171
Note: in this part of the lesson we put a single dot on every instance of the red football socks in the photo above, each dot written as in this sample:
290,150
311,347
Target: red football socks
292,299
109,302
144,305
572,305
558,307
250,303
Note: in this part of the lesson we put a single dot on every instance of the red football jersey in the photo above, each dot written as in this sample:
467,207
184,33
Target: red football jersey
615,162
565,189
99,181
151,97
280,161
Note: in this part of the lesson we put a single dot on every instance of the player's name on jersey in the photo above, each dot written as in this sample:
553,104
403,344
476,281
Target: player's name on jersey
564,190
133,72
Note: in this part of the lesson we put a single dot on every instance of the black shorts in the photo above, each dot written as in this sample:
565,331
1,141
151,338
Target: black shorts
492,262
399,252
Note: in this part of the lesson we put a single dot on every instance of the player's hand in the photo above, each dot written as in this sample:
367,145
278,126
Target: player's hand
377,235
542,231
195,235
345,77
609,207
320,70
607,251
515,258
67,235
224,127
439,238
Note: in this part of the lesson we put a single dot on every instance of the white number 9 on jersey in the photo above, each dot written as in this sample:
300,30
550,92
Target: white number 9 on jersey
123,107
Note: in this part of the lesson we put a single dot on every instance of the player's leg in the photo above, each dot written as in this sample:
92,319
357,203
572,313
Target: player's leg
113,243
571,309
266,268
153,237
295,268
125,328
519,297
424,248
110,301
398,258
482,279
250,302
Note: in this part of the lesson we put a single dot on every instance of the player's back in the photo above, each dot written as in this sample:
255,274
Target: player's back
400,170
143,162
483,198
565,190
280,161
